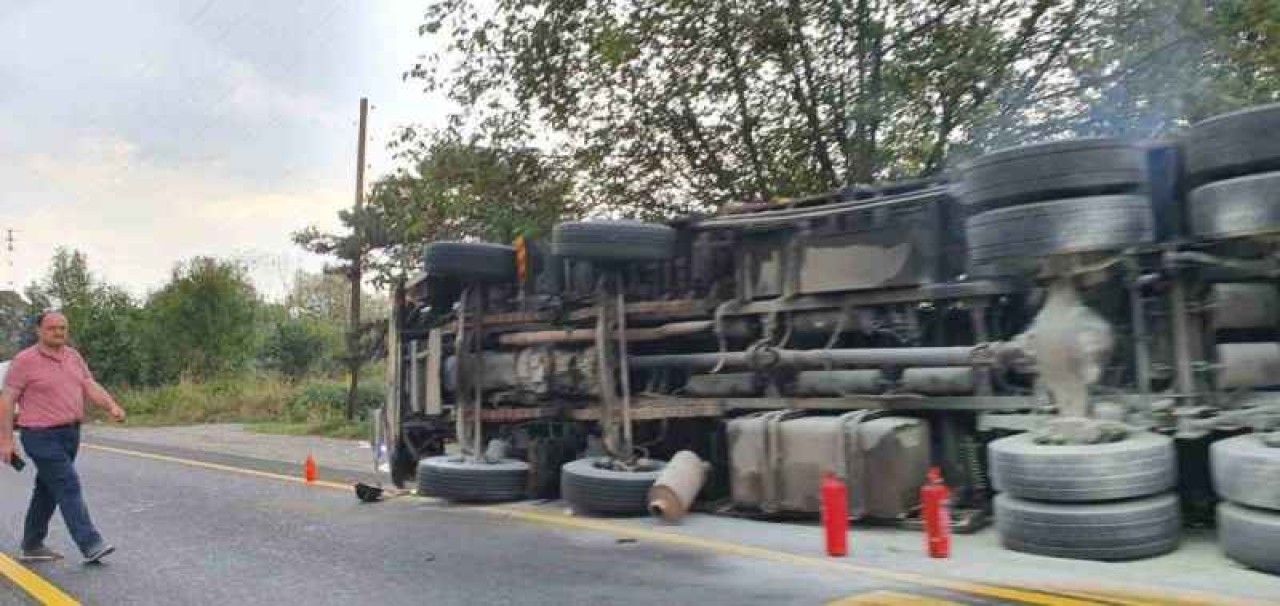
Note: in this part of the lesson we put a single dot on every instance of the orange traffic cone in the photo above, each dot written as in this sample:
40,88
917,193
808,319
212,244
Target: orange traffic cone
309,470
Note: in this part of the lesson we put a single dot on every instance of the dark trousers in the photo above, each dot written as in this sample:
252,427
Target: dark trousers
53,451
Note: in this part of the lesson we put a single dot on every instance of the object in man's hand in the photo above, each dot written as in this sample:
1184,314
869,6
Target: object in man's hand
17,463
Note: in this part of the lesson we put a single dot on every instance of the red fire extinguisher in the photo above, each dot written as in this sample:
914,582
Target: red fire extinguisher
835,515
937,516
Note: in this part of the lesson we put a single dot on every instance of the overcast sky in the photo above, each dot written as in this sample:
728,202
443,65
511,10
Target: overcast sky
143,132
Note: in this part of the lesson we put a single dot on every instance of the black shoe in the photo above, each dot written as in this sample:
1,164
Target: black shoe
95,556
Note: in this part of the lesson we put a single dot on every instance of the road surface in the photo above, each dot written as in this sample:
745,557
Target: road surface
191,535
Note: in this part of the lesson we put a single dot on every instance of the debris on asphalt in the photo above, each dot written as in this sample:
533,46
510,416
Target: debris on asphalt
676,488
372,494
367,493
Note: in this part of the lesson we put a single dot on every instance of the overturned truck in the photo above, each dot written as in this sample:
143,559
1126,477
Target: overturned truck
1079,326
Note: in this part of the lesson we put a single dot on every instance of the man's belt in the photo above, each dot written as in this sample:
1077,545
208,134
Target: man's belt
71,425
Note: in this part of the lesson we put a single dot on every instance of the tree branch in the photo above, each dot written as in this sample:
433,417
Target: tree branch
746,121
1059,45
929,24
946,124
856,154
840,113
711,159
809,104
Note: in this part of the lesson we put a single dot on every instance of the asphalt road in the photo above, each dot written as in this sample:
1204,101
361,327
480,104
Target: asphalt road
199,536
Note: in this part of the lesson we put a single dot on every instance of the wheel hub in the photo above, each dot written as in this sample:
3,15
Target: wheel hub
1081,430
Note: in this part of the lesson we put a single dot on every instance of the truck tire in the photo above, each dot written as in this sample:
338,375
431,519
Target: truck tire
1090,224
1247,472
1123,530
1250,536
589,487
455,478
470,261
1048,171
1243,206
1142,464
613,241
1234,144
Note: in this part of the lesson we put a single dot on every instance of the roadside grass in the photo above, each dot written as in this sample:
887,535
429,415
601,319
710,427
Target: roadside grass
266,403
335,428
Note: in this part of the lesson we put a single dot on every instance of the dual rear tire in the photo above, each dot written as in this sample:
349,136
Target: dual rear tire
1246,474
1087,501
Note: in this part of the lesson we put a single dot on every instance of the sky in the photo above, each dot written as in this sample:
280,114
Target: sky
145,132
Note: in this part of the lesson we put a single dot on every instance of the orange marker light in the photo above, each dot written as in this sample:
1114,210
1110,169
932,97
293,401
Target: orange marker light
522,259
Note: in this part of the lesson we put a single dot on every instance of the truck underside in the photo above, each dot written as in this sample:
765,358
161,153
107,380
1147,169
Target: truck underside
1080,294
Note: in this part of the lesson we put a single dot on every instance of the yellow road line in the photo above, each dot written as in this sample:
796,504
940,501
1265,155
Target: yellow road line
1127,597
735,549
1027,597
39,589
891,598
215,466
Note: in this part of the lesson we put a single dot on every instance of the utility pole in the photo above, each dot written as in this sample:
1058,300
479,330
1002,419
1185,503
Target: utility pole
356,270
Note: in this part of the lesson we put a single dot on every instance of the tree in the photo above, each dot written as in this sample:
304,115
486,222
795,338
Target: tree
1160,65
68,285
675,105
14,311
328,297
449,187
111,335
106,323
488,186
203,322
297,343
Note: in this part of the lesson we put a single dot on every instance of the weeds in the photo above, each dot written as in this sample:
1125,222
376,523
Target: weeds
267,402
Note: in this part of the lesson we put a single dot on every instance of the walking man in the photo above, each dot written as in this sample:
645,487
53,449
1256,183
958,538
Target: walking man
50,382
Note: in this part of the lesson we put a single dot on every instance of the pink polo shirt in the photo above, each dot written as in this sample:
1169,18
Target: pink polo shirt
49,387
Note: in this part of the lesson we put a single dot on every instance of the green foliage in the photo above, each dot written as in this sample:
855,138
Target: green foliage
206,322
675,105
111,334
107,324
13,323
299,345
188,355
1161,64
318,400
202,323
250,398
327,297
68,285
451,187
333,428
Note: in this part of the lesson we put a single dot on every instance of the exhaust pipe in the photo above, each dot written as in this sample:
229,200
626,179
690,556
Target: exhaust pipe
677,486
979,355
